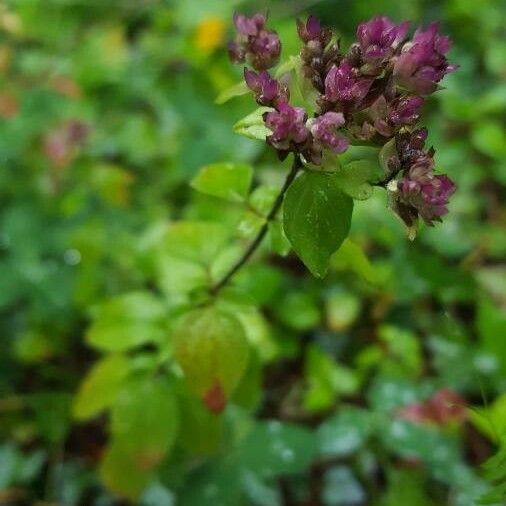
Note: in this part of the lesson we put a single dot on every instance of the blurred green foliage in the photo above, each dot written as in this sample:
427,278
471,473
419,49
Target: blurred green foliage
107,113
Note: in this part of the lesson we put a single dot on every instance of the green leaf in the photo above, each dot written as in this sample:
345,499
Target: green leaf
196,241
495,471
388,394
248,393
255,325
236,90
128,321
273,448
218,482
316,218
402,352
406,486
145,421
491,325
345,432
284,68
211,347
413,441
279,242
121,474
52,414
201,432
252,126
177,277
224,180
326,379
490,138
354,178
100,386
491,420
299,310
351,256
386,153
342,309
340,483
262,198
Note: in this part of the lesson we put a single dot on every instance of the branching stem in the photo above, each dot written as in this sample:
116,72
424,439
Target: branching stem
296,166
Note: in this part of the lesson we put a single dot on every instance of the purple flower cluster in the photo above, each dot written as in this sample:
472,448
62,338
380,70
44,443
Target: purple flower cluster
345,84
422,62
379,38
419,192
267,90
288,125
325,136
254,44
371,94
317,54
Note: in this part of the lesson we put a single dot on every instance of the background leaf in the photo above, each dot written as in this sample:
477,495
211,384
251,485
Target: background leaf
224,180
211,347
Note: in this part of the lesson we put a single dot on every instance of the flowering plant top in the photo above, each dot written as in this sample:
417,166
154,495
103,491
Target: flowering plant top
372,94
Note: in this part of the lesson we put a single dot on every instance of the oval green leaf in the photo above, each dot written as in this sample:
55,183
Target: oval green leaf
211,347
100,387
236,90
252,126
128,321
316,218
145,421
227,181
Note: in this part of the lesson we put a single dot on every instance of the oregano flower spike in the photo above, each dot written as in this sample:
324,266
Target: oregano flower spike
254,44
372,94
268,91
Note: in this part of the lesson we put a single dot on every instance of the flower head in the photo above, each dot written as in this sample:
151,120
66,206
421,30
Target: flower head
422,62
254,44
425,192
268,91
312,30
288,126
342,85
388,117
379,37
406,111
317,54
410,147
324,131
249,26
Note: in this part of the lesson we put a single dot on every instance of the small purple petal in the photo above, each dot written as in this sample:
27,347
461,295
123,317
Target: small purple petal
324,131
267,90
287,125
255,44
379,37
249,26
422,62
313,27
342,85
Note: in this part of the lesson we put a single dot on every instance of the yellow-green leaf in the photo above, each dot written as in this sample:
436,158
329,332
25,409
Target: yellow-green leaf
228,181
100,387
211,347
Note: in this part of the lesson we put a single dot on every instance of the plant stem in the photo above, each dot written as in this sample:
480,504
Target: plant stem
296,166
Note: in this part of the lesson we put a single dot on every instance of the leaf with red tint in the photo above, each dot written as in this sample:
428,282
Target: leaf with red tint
215,399
416,413
9,105
447,406
66,86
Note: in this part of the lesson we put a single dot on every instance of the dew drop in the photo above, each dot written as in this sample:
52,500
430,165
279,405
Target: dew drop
288,455
72,257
